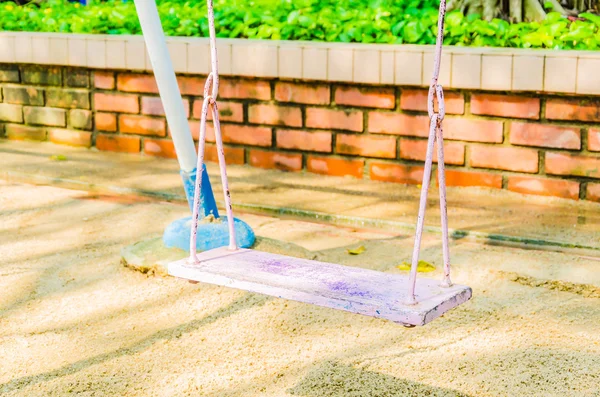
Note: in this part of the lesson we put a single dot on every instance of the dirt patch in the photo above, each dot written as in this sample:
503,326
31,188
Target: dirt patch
74,321
338,380
585,290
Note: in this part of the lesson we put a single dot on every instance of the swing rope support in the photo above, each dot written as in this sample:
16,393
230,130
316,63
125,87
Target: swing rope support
409,301
436,93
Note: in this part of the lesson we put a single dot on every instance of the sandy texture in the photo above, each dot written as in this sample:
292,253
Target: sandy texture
74,321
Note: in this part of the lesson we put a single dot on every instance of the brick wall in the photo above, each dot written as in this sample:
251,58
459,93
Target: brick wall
545,144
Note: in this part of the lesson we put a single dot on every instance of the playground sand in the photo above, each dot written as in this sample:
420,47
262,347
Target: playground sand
74,321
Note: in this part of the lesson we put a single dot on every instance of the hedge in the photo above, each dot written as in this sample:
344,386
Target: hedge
362,21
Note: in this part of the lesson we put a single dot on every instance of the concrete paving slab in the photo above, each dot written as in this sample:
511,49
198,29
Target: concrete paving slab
488,215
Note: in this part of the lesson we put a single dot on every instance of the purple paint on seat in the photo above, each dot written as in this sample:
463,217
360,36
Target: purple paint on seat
350,290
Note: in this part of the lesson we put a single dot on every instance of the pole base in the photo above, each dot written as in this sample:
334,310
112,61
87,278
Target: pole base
212,233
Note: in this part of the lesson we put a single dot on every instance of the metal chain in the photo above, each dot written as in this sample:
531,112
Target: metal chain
210,101
435,133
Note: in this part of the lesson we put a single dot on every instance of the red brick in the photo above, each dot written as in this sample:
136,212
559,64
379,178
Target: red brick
80,119
131,82
456,128
146,83
505,106
106,122
74,77
417,100
45,116
141,125
191,85
335,166
564,164
454,152
473,130
530,134
123,103
468,178
544,187
12,113
9,74
25,132
593,192
251,89
312,94
594,140
398,124
246,135
70,137
118,143
104,80
160,148
233,155
504,158
277,160
573,109
195,129
23,95
275,115
228,111
366,97
399,173
334,119
45,75
304,140
68,98
368,146
152,105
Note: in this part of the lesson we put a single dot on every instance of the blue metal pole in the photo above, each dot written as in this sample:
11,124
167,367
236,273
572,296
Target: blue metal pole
208,205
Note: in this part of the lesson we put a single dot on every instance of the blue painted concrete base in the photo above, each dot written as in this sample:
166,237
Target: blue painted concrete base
210,235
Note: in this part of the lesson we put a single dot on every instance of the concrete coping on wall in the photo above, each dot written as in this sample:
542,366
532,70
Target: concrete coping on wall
494,69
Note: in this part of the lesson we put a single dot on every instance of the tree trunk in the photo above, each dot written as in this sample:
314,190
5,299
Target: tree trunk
534,11
516,10
467,7
490,9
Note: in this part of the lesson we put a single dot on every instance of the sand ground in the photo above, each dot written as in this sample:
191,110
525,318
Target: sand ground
74,321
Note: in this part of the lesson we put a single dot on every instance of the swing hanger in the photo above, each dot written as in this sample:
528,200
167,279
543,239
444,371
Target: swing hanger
405,300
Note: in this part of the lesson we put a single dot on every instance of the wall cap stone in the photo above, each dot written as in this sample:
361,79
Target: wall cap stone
493,69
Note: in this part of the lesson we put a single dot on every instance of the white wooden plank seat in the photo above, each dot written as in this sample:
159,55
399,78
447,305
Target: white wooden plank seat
402,299
352,289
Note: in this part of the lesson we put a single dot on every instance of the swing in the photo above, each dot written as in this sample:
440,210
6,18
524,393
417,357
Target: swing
404,300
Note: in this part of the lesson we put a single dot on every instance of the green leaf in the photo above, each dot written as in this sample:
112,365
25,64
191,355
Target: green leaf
591,17
413,31
553,17
454,19
362,21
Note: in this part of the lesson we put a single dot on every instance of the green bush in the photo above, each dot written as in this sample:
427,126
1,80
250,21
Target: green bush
362,21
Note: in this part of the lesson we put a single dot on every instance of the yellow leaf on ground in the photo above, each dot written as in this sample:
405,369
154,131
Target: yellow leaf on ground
422,267
357,251
58,157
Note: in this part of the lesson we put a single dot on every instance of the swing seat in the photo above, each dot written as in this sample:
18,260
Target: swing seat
352,289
